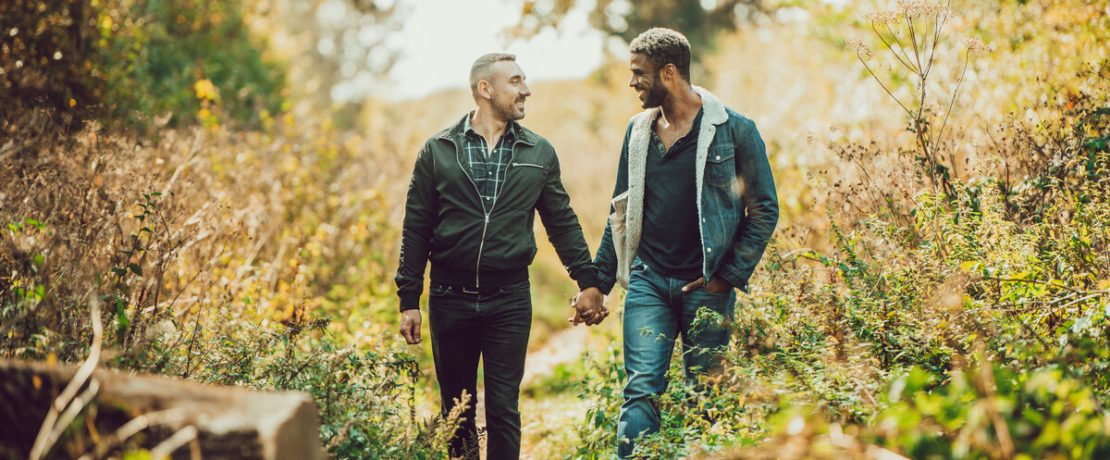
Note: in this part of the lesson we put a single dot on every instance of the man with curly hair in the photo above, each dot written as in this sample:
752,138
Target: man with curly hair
693,209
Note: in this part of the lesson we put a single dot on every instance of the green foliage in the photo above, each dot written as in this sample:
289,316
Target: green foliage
151,56
127,62
995,412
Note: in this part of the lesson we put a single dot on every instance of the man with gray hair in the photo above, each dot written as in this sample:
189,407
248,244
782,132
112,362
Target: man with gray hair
693,209
475,190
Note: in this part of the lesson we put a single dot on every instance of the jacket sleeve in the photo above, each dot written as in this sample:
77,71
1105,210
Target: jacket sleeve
761,207
421,208
606,260
563,229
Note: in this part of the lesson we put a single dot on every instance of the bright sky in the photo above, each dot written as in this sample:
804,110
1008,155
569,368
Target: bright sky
441,38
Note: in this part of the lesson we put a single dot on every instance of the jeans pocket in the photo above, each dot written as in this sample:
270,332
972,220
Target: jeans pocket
438,290
518,286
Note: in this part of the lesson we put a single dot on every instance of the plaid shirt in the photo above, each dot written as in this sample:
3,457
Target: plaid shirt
488,173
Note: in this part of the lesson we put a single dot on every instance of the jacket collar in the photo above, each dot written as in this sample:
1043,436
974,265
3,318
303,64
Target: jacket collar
458,130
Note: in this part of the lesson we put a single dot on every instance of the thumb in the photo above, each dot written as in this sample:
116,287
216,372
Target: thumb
694,285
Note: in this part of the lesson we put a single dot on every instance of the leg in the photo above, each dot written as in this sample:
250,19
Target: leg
704,341
455,330
649,332
504,346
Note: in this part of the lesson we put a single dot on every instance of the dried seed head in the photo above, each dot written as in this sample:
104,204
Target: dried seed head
861,49
974,45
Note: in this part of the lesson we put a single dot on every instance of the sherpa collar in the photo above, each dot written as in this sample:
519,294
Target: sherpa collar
713,114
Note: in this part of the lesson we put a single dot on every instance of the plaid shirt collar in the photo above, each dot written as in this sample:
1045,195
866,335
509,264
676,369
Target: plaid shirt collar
468,129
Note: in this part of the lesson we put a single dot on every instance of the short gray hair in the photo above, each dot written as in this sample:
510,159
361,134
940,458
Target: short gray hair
481,68
664,46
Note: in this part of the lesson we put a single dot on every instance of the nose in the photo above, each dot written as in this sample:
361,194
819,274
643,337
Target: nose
525,91
632,82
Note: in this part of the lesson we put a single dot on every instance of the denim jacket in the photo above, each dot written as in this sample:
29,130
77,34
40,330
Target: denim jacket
737,204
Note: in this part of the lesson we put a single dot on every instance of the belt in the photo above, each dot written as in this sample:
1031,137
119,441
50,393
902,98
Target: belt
470,289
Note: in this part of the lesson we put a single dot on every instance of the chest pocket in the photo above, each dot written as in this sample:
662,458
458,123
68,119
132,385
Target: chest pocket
526,176
720,168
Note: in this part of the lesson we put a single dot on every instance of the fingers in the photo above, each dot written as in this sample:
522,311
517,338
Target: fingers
576,319
600,317
406,332
694,285
412,336
410,328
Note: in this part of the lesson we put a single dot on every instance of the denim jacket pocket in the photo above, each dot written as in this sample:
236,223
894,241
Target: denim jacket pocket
720,167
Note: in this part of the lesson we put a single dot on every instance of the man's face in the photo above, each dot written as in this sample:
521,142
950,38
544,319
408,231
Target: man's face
508,91
645,80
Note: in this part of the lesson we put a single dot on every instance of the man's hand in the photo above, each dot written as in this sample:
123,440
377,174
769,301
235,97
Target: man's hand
589,307
410,326
718,286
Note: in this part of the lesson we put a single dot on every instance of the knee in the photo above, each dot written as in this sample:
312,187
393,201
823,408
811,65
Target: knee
644,385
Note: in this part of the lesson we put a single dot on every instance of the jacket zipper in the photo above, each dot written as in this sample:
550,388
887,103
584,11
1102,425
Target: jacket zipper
485,225
527,164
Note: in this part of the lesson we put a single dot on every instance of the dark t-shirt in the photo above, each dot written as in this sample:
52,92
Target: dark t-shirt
671,241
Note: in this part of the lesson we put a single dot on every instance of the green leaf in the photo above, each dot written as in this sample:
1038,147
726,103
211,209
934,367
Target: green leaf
136,269
38,260
121,316
34,222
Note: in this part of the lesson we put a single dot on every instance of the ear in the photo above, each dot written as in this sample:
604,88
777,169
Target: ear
485,89
669,72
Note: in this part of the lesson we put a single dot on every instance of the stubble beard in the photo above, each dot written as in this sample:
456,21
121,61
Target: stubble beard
508,110
655,95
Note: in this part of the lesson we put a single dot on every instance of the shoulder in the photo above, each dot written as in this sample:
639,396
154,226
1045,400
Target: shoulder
740,122
535,139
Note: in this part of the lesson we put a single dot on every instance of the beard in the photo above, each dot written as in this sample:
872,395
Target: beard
656,94
506,109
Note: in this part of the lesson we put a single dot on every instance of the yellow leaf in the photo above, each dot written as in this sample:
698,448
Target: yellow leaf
206,90
969,266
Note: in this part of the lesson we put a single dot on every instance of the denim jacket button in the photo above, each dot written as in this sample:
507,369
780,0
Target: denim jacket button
708,249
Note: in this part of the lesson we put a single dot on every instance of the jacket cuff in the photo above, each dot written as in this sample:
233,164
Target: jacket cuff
587,279
410,301
737,280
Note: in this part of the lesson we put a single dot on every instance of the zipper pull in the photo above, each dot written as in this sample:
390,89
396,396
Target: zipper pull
487,218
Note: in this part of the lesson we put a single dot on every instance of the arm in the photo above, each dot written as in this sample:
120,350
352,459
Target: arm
606,259
421,208
761,208
563,229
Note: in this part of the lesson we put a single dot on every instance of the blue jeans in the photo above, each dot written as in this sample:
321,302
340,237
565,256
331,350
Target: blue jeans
492,326
656,311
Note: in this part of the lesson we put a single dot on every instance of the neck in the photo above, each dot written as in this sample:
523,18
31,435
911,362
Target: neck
486,124
681,104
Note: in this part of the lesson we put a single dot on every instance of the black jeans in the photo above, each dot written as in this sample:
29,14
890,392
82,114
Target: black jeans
494,326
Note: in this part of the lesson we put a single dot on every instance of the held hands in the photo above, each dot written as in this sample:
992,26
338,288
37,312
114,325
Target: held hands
410,326
589,307
718,286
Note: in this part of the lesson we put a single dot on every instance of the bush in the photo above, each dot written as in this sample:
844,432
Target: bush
127,63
